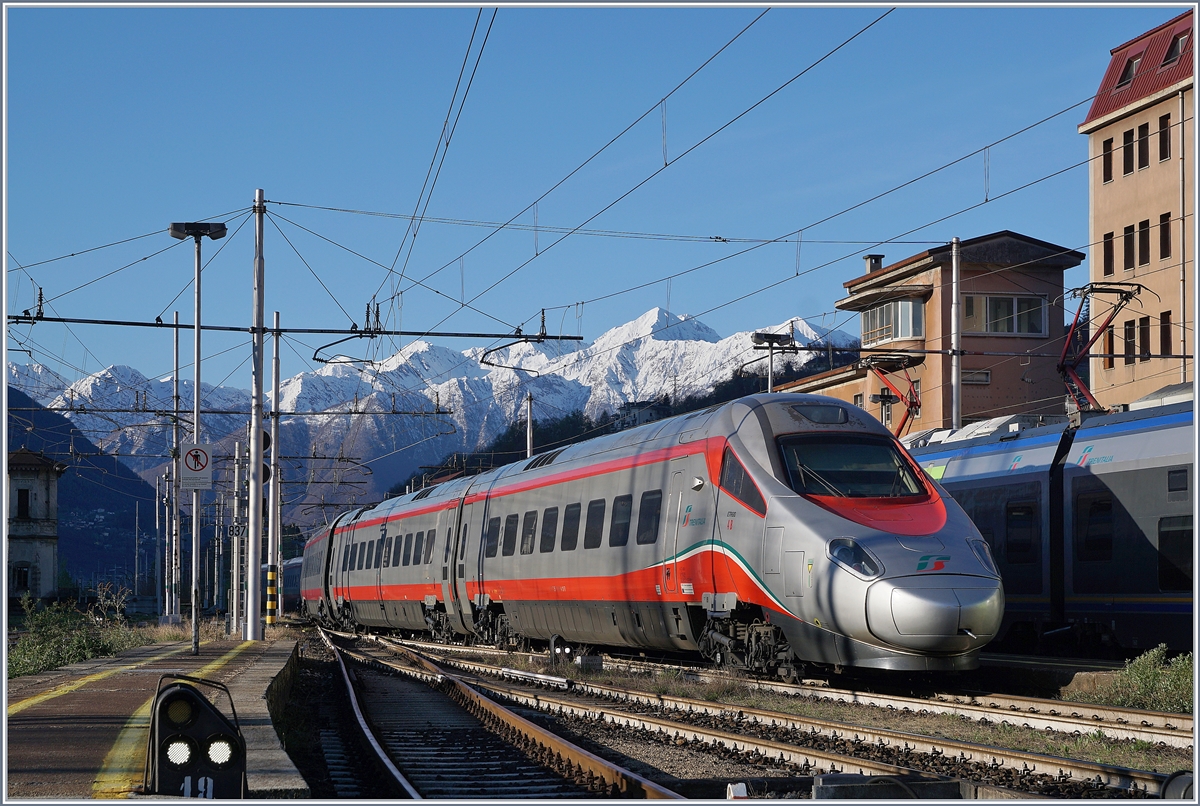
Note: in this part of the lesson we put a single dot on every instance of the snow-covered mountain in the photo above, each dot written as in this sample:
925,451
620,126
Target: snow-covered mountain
351,429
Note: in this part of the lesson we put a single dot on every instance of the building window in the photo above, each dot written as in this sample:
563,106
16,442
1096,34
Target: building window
1177,46
23,504
858,401
1144,337
976,377
1144,242
1109,347
1130,70
1129,247
1164,236
1127,152
996,314
885,413
1109,255
20,581
1164,333
1107,160
1164,137
901,319
1144,145
1129,345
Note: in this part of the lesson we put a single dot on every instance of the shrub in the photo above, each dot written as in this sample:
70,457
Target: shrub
1151,682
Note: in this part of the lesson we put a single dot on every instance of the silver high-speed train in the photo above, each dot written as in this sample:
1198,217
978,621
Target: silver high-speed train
764,533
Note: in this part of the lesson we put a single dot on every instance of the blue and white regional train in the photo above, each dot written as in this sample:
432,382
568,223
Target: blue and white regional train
764,533
1091,527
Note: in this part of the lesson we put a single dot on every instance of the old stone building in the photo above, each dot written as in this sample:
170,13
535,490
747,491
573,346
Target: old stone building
32,524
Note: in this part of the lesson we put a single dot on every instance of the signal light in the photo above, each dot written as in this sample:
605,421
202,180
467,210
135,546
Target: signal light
194,750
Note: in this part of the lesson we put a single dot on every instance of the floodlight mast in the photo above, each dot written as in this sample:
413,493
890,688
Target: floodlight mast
772,340
196,230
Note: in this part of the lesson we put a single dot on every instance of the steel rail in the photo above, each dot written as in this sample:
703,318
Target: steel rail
1053,766
627,783
367,732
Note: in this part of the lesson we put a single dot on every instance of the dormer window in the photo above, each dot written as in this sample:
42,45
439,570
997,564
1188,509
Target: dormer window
899,319
1178,43
1130,70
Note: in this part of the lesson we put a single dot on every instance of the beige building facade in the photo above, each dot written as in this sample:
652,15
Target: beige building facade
1141,144
1011,286
32,524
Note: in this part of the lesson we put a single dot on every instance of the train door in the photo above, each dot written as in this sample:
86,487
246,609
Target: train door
671,542
454,528
466,565
378,560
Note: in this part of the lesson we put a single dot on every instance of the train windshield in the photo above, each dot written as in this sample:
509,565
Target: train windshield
850,466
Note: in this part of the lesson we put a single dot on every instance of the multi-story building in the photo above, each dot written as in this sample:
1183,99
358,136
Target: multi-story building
1141,147
32,524
1011,288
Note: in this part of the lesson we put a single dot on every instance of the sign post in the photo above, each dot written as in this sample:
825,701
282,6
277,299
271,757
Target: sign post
196,467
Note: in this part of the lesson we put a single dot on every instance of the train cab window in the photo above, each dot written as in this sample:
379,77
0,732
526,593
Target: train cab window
408,540
387,552
570,535
845,465
618,526
1175,553
528,530
1022,532
1177,480
1094,527
593,530
492,539
418,545
379,554
649,515
549,528
510,535
345,559
736,481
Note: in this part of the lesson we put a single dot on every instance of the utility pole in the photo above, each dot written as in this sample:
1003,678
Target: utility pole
136,559
158,599
253,628
274,585
235,568
955,336
528,425
175,465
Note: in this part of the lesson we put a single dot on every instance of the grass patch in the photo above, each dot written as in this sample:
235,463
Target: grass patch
1151,682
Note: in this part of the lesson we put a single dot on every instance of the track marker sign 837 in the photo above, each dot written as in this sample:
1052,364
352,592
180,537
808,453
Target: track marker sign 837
195,467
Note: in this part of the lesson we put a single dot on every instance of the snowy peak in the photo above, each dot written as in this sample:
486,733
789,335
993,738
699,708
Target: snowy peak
659,325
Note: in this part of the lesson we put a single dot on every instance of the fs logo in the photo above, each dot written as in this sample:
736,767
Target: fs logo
1083,457
932,562
1016,462
687,514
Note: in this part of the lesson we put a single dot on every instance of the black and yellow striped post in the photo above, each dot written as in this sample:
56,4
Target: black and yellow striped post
272,599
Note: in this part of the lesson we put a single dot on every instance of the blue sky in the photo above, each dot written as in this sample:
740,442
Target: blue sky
122,120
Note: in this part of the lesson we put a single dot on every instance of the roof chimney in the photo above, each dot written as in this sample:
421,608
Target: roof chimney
873,262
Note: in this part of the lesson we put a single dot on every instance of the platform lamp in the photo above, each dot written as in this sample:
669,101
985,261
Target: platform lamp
198,231
772,340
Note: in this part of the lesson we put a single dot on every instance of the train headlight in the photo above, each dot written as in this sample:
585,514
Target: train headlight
847,553
983,553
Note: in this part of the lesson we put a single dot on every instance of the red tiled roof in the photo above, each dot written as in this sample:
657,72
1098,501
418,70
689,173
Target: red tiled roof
1152,76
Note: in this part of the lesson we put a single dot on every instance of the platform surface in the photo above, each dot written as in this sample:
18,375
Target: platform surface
80,732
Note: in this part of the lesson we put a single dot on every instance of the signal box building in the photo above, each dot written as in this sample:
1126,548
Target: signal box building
32,524
1011,287
1141,143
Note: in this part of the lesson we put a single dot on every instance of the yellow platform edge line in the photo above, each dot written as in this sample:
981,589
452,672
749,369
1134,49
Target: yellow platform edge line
124,766
67,688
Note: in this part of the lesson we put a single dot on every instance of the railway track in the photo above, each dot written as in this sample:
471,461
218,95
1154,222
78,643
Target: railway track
439,738
814,744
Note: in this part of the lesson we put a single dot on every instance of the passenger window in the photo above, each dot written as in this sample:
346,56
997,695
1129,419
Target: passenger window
1094,527
466,530
446,552
618,527
418,542
492,540
510,535
1175,553
407,548
549,527
649,514
429,538
379,554
370,552
593,530
528,530
346,559
737,482
1177,480
361,555
387,552
1023,533
570,535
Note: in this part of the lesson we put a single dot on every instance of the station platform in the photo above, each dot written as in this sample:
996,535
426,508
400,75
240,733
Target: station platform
80,732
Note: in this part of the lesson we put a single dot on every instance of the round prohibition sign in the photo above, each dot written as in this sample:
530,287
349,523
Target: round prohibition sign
196,460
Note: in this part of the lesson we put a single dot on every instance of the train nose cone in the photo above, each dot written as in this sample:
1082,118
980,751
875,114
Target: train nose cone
945,613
